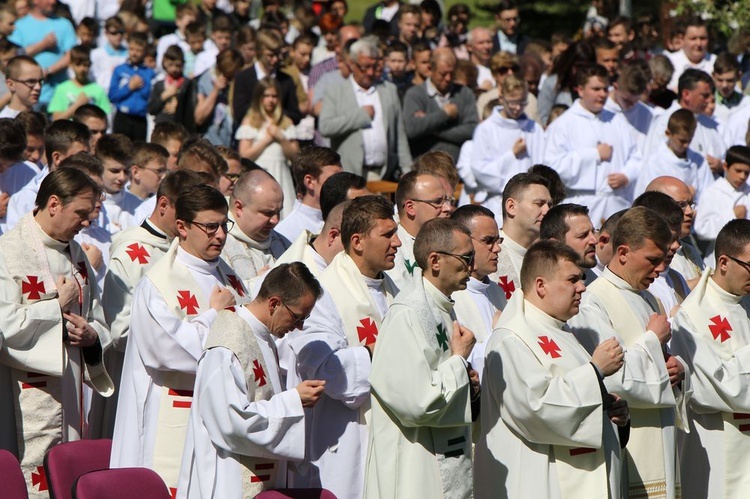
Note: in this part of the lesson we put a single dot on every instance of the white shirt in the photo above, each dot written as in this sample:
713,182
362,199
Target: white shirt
735,129
706,140
681,63
302,217
483,75
639,117
373,137
7,112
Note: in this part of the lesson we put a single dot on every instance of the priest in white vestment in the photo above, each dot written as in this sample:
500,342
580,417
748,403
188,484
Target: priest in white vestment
173,308
424,393
506,143
548,423
617,304
336,346
479,305
244,423
52,323
526,199
712,333
419,197
311,169
570,224
594,150
253,245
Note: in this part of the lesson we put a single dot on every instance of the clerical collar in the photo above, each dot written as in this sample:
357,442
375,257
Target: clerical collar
511,245
537,314
478,286
443,302
51,242
149,227
257,327
195,263
374,283
617,280
723,294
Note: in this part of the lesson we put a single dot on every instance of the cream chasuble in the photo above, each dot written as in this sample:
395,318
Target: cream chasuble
243,425
250,258
170,321
302,251
712,332
610,307
544,431
405,271
509,263
42,400
346,318
420,434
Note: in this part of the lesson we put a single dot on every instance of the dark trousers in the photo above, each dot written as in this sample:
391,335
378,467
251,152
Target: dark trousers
133,127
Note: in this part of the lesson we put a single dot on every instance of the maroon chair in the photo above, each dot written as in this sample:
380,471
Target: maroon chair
12,485
296,494
121,483
64,463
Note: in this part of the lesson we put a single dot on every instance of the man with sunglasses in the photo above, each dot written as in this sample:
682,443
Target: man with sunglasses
420,197
174,306
25,81
253,245
479,305
240,397
424,392
712,332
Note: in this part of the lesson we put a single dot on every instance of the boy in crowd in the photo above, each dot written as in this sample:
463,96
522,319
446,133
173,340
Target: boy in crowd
169,92
115,151
147,171
131,89
170,136
8,50
396,63
95,120
726,75
111,54
221,39
24,78
195,35
87,32
72,94
184,15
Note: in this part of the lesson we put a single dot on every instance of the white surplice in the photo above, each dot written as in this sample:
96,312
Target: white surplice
302,218
544,431
420,428
639,117
571,149
712,332
693,169
735,130
23,201
717,210
239,412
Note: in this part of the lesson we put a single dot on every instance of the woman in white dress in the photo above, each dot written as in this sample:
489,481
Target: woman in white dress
267,136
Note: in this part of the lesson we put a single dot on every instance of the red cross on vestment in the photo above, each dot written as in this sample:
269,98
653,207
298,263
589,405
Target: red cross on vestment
550,347
259,373
720,328
137,252
234,281
34,287
84,271
508,286
39,478
368,331
188,302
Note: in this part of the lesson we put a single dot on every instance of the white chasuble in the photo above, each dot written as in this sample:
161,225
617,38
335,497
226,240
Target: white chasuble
243,425
250,258
544,432
43,375
301,250
170,321
712,332
611,308
331,347
420,434
509,262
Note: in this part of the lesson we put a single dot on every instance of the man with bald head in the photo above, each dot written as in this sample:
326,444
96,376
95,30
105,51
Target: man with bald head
439,114
252,244
687,261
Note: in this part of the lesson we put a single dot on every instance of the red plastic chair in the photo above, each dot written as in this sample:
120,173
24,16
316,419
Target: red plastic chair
64,463
12,485
296,494
121,483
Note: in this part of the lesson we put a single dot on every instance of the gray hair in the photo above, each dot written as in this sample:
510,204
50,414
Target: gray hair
470,36
367,46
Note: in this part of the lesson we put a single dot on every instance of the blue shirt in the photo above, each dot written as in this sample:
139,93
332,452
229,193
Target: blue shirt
134,102
30,30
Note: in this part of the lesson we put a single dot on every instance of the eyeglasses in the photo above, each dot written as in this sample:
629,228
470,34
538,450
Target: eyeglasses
298,321
437,203
504,69
467,259
30,83
684,205
212,228
741,262
232,177
490,241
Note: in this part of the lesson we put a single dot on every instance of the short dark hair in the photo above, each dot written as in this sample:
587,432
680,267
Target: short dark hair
335,189
115,146
726,63
438,163
166,130
14,65
200,150
290,282
682,120
555,185
639,224
80,54
519,183
199,198
588,71
506,5
554,224
177,182
634,77
610,223
733,238
148,152
542,258
33,122
62,134
362,215
173,53
136,38
89,111
311,161
738,154
690,78
85,162
468,212
12,139
66,184
436,235
665,206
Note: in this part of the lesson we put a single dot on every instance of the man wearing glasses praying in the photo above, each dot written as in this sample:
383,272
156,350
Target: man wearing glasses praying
174,306
25,80
424,392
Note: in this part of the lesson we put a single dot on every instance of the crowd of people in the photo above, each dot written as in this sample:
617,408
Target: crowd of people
261,247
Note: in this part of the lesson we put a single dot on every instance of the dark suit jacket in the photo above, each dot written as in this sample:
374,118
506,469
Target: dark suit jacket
523,40
244,86
371,17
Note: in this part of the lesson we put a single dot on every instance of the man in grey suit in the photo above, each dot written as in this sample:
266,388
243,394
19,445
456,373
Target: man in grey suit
362,117
440,115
